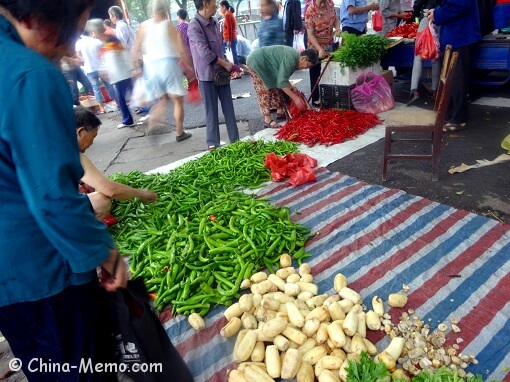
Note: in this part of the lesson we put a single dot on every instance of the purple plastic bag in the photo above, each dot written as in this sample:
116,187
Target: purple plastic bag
372,94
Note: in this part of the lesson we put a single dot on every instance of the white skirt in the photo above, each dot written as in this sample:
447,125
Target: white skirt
164,76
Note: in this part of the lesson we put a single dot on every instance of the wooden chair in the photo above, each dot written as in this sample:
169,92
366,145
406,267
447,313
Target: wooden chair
415,120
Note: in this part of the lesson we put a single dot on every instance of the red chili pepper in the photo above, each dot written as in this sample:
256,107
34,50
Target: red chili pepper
326,127
213,218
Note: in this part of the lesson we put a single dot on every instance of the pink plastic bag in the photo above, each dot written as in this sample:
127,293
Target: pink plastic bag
372,94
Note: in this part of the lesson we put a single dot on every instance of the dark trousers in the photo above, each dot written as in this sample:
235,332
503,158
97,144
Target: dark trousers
457,111
63,329
74,76
315,72
289,39
210,95
122,88
355,31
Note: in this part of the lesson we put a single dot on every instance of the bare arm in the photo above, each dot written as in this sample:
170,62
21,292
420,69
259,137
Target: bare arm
118,191
137,47
315,43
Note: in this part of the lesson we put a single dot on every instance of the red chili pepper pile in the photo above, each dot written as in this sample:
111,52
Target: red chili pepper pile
326,127
405,31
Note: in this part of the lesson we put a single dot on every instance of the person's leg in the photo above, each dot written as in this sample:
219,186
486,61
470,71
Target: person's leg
234,52
262,96
68,327
122,88
289,39
73,87
212,124
224,46
436,73
157,112
458,105
83,79
96,88
180,134
415,79
315,72
227,107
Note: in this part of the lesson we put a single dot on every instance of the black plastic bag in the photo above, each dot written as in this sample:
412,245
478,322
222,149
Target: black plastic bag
144,351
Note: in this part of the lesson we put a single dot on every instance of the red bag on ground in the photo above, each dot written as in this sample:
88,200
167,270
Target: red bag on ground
427,44
377,21
299,167
293,110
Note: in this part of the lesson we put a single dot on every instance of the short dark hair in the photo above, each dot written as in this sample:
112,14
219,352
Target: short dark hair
64,14
311,55
86,119
116,11
107,23
182,14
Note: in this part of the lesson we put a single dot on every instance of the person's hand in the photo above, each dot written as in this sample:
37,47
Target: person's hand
373,6
299,102
113,273
229,66
430,15
322,53
407,15
148,196
294,89
296,32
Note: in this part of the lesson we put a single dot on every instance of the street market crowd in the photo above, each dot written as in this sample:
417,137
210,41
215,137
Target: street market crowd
54,244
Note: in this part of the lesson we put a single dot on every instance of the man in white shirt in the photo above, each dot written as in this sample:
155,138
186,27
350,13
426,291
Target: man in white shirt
87,49
123,31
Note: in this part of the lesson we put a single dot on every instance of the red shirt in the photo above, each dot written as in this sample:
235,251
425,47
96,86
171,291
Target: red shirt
229,27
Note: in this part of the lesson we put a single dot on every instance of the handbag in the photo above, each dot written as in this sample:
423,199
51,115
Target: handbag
144,351
221,76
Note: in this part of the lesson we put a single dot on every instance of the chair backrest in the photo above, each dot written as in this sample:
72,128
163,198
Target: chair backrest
445,68
444,88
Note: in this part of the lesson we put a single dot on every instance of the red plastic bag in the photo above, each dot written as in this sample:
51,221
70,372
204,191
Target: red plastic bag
427,44
297,167
377,21
110,220
295,111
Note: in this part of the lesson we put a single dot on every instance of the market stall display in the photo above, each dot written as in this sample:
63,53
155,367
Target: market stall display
450,263
326,127
195,245
408,31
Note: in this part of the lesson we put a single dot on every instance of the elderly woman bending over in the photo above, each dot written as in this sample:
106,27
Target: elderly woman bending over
271,68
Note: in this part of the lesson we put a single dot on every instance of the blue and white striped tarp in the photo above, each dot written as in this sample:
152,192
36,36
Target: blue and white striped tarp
455,263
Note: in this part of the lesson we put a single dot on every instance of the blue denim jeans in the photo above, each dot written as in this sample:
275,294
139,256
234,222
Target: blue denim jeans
233,46
96,87
123,88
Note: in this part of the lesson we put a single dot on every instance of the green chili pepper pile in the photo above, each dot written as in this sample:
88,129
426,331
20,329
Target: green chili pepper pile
196,244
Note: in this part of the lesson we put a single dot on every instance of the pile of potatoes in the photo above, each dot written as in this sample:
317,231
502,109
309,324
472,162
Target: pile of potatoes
285,329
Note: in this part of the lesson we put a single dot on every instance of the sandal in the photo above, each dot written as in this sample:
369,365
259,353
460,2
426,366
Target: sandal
183,136
451,127
271,125
280,117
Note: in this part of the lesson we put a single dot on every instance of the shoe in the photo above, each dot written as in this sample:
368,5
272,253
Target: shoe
271,125
211,148
316,103
414,96
122,125
144,118
183,136
452,127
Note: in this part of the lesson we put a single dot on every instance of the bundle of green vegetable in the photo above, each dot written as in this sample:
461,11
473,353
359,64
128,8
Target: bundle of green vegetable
197,243
367,370
360,51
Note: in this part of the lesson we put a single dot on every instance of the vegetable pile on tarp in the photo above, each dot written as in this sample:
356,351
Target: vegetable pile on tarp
327,127
195,245
360,52
297,167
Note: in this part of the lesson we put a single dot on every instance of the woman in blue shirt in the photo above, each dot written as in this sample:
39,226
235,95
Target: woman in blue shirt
51,307
271,28
354,16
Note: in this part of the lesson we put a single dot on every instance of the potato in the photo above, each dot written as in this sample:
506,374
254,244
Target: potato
196,321
285,260
305,373
397,300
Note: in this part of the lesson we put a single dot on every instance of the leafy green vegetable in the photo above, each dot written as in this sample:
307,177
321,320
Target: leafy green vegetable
360,52
444,374
366,370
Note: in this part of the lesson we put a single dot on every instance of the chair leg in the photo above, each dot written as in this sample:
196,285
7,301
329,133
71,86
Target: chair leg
387,151
436,154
